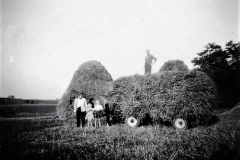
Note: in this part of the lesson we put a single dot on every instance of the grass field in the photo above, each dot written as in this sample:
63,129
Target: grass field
44,138
26,110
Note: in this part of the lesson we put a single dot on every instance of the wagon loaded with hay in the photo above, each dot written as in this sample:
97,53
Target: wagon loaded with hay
183,98
93,80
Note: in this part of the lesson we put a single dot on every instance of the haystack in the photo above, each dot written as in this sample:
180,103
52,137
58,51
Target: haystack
174,65
165,96
92,79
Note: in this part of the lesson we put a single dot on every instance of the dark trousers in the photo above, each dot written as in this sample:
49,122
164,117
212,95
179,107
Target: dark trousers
80,117
108,120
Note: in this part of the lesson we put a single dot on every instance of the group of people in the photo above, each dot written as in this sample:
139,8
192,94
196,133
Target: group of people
85,111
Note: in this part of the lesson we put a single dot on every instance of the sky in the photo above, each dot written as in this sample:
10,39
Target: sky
44,42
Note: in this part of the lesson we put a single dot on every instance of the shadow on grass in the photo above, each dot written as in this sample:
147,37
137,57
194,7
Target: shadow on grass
225,153
229,153
191,122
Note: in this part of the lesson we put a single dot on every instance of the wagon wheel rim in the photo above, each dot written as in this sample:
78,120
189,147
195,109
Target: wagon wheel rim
132,121
180,123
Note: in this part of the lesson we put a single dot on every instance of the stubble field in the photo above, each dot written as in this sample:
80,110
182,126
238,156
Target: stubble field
41,137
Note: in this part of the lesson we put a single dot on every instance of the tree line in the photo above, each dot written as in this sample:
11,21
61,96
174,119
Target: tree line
220,64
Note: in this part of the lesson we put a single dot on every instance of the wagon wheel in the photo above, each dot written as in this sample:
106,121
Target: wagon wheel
132,121
180,123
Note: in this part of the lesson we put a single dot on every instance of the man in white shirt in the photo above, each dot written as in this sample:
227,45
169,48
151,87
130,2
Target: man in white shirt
148,62
80,107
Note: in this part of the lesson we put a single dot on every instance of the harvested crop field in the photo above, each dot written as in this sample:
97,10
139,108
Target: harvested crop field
47,139
26,110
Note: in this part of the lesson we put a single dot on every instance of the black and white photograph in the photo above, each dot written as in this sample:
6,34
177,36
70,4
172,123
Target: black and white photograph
120,80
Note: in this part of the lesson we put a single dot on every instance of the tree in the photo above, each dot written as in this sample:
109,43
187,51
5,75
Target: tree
223,66
174,65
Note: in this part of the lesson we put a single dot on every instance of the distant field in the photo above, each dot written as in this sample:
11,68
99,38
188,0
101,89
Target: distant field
7,101
27,110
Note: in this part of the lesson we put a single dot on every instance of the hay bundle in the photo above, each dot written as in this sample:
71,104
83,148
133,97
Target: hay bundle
174,65
92,79
165,96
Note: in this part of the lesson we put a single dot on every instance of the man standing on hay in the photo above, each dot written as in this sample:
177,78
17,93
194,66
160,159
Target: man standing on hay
148,62
80,106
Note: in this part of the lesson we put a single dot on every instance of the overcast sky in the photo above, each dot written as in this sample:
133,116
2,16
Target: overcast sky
43,42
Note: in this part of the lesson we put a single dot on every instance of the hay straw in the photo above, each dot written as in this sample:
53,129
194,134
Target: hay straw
165,96
174,65
92,79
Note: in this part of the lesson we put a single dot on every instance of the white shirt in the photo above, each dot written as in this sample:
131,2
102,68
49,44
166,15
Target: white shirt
80,103
98,107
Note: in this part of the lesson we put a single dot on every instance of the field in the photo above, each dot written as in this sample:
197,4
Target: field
27,110
41,137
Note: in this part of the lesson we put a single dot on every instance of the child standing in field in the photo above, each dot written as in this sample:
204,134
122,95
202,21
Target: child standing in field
108,114
98,108
89,115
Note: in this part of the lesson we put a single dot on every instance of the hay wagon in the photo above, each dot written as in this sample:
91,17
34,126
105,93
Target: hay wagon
182,98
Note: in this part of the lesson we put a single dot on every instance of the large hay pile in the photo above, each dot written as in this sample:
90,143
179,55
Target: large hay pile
92,79
164,96
174,65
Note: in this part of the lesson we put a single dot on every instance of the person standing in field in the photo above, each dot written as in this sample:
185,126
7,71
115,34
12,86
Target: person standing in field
89,116
80,107
108,114
98,108
149,61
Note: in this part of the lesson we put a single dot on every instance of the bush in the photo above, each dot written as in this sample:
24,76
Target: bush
165,96
174,65
223,66
92,79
